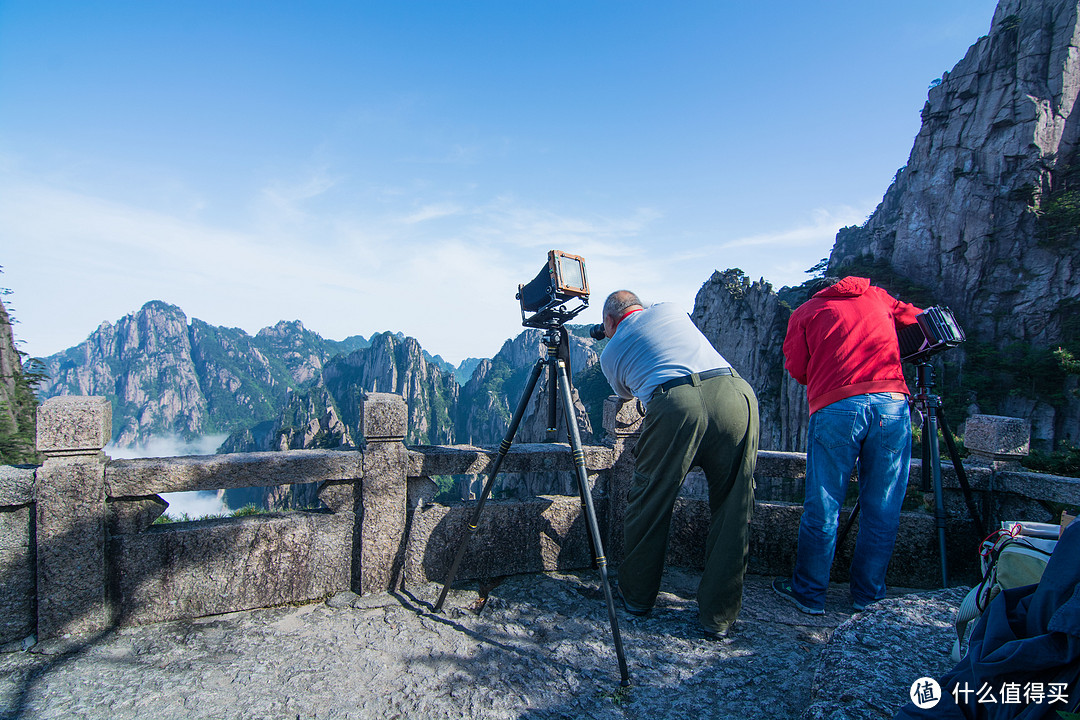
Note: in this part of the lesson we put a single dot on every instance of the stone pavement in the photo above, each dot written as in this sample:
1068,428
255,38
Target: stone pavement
540,647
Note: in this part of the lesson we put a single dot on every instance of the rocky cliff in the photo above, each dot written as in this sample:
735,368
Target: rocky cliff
985,215
396,365
984,218
17,400
743,321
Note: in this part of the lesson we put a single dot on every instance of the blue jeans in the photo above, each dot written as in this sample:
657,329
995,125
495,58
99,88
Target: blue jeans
875,430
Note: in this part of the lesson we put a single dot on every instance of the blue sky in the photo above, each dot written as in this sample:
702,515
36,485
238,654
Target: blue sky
366,166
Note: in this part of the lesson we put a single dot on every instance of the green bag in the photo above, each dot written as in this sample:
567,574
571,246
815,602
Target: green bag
1008,559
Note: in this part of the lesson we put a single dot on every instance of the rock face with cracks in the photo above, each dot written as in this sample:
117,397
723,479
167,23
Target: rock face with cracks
984,215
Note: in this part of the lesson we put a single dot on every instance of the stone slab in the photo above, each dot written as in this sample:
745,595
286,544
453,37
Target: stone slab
15,525
70,527
774,534
383,416
16,485
534,535
17,576
1038,486
997,437
382,529
426,461
184,570
133,515
153,476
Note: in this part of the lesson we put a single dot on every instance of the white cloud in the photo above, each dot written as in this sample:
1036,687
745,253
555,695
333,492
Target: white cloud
167,446
193,505
821,229
432,212
80,260
443,270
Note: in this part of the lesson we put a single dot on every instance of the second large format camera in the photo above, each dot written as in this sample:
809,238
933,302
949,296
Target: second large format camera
935,330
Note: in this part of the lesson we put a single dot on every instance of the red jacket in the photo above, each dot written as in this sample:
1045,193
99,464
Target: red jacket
842,342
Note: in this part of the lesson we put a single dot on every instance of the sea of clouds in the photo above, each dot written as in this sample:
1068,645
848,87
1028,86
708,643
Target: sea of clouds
193,505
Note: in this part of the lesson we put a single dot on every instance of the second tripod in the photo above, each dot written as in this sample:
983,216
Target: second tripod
556,360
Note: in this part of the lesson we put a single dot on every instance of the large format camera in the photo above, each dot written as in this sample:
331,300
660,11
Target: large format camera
935,330
552,294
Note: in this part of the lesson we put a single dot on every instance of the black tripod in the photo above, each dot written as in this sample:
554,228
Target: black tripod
557,360
929,406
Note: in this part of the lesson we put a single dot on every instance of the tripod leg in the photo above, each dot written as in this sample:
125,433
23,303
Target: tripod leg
590,515
847,525
961,475
504,448
570,417
930,446
852,515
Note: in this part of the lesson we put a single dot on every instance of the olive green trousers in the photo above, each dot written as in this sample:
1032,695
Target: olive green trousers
711,424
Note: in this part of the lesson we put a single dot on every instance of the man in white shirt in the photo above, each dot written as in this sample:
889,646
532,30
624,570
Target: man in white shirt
699,413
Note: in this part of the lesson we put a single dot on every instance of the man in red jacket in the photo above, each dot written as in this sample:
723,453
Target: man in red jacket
841,344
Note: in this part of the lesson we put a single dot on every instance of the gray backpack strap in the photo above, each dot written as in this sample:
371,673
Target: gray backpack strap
969,610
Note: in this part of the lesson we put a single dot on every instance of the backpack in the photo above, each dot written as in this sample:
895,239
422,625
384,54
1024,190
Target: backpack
1012,557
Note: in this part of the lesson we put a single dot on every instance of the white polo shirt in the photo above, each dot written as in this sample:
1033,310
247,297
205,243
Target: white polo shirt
655,345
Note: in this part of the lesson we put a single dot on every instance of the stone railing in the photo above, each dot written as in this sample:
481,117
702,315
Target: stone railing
79,551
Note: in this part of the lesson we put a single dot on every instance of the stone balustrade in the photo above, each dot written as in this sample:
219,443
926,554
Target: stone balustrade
79,550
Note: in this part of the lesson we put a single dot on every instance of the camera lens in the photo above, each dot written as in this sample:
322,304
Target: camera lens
597,332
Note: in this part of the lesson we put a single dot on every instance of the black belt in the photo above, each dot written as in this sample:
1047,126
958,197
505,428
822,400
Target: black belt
687,379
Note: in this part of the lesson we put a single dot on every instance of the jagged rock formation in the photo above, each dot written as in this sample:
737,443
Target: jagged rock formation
166,377
308,420
395,365
984,218
743,320
985,214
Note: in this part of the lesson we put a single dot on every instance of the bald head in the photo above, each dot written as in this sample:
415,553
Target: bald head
616,306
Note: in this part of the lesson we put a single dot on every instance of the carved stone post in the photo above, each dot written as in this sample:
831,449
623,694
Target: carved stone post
622,424
70,500
996,441
383,423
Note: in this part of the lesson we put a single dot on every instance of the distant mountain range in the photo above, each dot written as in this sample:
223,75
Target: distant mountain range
286,386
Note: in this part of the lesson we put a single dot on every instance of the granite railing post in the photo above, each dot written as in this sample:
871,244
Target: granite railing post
384,490
997,441
622,425
70,502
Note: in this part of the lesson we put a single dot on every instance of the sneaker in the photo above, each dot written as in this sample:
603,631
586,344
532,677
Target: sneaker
860,606
782,587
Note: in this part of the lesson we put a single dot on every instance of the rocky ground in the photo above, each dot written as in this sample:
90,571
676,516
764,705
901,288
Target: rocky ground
533,646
